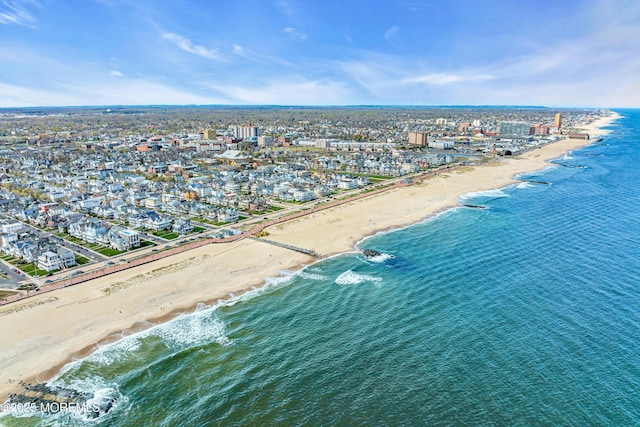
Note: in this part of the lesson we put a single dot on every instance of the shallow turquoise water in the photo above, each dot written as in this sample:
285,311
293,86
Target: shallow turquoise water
524,313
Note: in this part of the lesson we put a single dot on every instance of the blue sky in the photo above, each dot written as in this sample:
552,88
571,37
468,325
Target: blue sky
330,52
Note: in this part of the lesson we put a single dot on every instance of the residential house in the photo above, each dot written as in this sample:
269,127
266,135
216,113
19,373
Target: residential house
182,226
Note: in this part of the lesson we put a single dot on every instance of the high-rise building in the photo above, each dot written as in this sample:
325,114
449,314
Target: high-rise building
558,120
515,128
418,138
210,134
441,121
245,131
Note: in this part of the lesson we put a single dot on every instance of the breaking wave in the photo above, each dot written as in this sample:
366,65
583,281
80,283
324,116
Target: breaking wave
490,194
350,277
380,258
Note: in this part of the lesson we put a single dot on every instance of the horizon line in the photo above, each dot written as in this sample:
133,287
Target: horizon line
308,106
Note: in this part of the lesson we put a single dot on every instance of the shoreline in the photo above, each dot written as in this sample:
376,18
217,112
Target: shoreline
439,193
147,293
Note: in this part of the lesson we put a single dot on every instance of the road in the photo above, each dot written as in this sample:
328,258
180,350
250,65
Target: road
13,279
80,250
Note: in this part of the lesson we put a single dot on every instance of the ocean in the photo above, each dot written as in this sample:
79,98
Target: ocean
526,312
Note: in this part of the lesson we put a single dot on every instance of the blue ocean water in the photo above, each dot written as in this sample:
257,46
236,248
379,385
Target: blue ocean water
523,313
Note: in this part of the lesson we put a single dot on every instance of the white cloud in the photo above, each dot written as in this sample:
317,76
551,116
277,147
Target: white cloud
19,96
115,73
186,45
300,92
295,35
140,92
372,73
243,52
446,79
16,12
390,35
125,92
261,58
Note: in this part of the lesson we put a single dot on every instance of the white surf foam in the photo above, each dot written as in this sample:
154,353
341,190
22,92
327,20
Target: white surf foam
284,277
85,385
380,258
312,276
101,393
350,277
101,397
185,330
115,352
524,185
191,329
496,193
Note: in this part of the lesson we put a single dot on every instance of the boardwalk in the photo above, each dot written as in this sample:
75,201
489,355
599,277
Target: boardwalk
247,234
285,246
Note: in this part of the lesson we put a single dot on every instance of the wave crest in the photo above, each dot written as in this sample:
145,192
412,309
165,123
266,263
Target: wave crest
350,277
496,193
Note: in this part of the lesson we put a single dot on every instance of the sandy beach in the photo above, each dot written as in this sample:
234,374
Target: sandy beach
40,334
337,230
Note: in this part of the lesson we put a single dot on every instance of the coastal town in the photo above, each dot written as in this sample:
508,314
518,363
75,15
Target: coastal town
97,269
287,213
89,188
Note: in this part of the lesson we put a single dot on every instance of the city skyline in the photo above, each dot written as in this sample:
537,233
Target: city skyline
285,52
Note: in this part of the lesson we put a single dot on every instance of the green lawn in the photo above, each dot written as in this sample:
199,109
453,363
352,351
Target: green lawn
216,223
203,220
103,250
32,270
108,251
27,267
268,210
71,239
292,202
165,234
80,260
377,178
197,230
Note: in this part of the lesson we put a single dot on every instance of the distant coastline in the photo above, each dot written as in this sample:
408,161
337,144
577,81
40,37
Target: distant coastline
65,324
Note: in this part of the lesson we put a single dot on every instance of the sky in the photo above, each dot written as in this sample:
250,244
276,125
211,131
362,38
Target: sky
556,53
